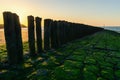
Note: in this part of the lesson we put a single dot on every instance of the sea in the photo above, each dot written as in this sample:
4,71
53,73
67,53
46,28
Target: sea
117,29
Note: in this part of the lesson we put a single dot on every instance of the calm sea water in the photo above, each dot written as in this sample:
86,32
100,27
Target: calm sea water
117,29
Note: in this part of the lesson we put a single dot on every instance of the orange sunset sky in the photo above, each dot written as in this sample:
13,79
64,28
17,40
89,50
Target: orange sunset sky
92,12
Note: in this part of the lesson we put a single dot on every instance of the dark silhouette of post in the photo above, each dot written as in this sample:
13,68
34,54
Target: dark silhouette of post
47,23
59,33
13,38
9,29
18,39
61,27
65,32
52,31
54,35
38,34
68,31
31,35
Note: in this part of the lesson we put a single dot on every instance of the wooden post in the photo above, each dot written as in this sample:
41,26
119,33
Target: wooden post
31,35
19,45
54,35
38,34
72,31
62,32
59,33
47,23
13,38
10,37
68,31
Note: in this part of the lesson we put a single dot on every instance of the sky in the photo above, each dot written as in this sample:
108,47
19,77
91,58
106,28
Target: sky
92,12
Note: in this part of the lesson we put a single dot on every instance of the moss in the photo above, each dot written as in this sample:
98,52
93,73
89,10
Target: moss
66,74
92,69
100,78
90,60
76,60
89,75
107,74
117,73
72,64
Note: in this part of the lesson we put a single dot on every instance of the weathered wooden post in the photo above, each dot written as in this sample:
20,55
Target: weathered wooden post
79,30
68,31
38,34
70,26
31,35
59,33
75,30
10,37
62,37
54,35
63,31
19,44
13,38
47,23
